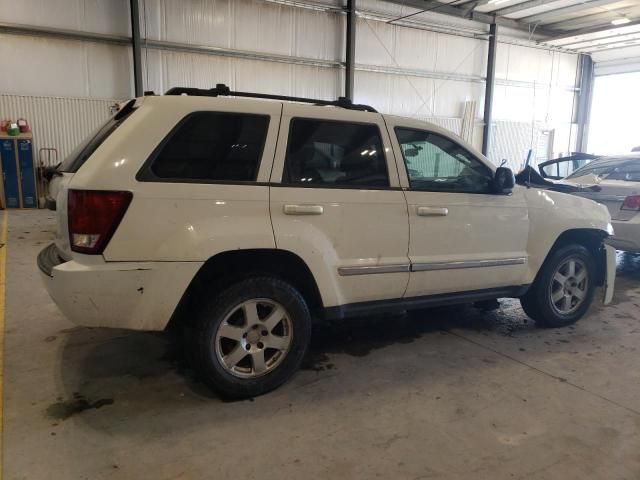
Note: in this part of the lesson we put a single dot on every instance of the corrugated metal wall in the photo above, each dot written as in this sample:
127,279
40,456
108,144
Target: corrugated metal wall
511,141
415,70
56,122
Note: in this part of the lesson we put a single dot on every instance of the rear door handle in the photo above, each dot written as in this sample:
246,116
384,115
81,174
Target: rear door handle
303,209
433,211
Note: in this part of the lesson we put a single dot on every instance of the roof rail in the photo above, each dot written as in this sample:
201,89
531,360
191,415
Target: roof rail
221,90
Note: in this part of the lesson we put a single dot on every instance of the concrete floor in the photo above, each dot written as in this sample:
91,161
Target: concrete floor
456,394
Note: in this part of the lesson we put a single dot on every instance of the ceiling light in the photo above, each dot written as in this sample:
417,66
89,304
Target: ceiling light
620,21
497,2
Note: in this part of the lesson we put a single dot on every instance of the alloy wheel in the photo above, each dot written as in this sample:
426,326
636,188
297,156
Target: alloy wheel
569,286
254,338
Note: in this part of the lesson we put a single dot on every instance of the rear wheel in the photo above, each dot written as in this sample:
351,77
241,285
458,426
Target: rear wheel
252,337
563,289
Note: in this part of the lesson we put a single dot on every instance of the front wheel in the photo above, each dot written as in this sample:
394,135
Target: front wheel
563,290
252,337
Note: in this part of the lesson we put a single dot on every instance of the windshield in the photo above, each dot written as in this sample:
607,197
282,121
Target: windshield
82,152
612,168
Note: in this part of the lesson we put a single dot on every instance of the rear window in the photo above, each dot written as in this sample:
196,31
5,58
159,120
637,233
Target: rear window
611,169
630,172
211,147
82,152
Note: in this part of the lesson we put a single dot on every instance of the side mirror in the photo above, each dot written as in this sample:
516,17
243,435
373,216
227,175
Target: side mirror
503,181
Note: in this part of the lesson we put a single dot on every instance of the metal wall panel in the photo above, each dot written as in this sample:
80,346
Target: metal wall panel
39,66
381,7
97,16
60,123
406,71
414,96
511,141
164,70
381,43
249,25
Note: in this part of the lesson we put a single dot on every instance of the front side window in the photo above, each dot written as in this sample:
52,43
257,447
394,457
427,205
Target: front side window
436,163
212,146
333,154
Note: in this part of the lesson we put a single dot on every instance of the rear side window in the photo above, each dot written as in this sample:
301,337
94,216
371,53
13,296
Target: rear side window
327,153
82,152
210,147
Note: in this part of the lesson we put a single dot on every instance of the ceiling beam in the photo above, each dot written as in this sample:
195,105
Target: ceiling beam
608,46
521,6
605,39
461,12
594,20
549,14
478,3
587,31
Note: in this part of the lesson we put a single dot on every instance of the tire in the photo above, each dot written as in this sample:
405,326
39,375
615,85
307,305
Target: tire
263,317
552,302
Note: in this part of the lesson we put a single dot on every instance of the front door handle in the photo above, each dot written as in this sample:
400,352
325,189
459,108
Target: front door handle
303,209
433,211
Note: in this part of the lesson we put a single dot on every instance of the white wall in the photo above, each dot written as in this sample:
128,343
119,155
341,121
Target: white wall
68,68
613,129
428,71
98,16
534,93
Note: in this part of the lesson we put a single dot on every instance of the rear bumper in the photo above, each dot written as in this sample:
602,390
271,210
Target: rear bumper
132,295
626,235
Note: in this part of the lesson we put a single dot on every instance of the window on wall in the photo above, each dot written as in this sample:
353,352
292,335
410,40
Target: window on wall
327,153
436,163
213,146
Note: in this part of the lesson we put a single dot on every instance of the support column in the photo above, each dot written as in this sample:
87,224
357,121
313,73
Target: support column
585,97
137,51
491,80
350,49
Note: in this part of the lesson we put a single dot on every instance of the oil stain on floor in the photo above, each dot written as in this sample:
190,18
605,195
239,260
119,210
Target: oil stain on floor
61,410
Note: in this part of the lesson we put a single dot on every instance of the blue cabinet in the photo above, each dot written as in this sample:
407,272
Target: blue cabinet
10,173
18,172
27,173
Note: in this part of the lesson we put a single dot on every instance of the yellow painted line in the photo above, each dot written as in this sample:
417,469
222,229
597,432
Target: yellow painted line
3,278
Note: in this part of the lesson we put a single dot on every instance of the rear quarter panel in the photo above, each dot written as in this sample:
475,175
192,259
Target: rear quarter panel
180,221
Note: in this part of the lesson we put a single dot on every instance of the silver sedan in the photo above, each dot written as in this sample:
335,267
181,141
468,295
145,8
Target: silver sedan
615,183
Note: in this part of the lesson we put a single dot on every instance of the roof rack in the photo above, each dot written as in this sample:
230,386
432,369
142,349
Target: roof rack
221,90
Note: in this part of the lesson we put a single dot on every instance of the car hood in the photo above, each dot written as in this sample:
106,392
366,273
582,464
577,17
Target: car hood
569,211
529,177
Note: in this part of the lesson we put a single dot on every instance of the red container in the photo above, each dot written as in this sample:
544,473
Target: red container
23,125
4,124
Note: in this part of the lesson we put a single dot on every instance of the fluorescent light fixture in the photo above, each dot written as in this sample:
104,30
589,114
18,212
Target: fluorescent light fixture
497,2
620,21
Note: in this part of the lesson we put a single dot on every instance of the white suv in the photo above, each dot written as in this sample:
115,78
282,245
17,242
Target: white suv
241,219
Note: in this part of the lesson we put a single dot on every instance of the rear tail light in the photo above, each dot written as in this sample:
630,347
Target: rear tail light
631,203
94,216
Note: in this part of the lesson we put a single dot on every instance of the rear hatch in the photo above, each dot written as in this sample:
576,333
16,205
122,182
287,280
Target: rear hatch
59,184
